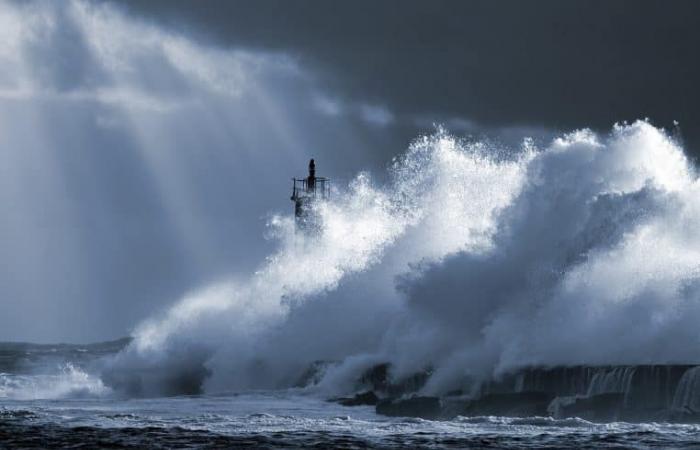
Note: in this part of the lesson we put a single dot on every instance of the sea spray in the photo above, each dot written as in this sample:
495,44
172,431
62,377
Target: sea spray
229,322
233,315
67,381
596,261
470,261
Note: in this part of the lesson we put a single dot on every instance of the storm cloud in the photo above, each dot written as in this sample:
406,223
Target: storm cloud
551,64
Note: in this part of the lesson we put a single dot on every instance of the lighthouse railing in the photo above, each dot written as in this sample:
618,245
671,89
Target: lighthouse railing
320,188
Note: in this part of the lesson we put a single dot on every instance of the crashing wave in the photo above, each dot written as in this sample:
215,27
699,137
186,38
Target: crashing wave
69,381
470,260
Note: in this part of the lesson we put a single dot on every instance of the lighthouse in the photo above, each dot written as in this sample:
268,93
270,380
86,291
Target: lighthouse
305,192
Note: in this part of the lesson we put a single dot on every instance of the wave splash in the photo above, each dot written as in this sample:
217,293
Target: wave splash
69,381
470,260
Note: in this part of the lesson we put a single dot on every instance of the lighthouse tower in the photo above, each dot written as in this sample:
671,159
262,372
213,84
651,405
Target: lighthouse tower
306,191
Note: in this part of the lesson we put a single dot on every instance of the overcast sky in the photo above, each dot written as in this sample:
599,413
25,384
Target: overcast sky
143,144
553,64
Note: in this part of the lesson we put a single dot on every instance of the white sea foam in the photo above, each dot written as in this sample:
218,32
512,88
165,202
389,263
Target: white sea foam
68,381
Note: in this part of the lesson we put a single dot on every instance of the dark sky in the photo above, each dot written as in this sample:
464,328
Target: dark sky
145,144
552,64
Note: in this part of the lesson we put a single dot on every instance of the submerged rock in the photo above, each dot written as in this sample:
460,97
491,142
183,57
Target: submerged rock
512,404
363,398
597,408
378,379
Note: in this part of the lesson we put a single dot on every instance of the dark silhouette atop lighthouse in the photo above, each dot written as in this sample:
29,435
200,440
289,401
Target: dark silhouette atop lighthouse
311,179
305,192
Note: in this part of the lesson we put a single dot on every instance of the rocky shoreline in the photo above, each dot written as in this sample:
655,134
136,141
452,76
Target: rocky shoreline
640,393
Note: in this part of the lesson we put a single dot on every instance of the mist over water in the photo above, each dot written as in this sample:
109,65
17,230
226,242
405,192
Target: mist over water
469,260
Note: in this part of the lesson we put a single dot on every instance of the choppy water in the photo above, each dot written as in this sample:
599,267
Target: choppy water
49,397
290,419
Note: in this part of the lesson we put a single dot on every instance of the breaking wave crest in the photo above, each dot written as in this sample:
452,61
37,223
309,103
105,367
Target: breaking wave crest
470,260
69,381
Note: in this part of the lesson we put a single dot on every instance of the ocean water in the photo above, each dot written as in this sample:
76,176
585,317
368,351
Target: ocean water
51,397
291,419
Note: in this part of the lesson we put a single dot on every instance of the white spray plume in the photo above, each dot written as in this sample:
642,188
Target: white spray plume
471,262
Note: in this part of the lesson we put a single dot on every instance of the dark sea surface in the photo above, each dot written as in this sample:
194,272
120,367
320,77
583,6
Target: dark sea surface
50,399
